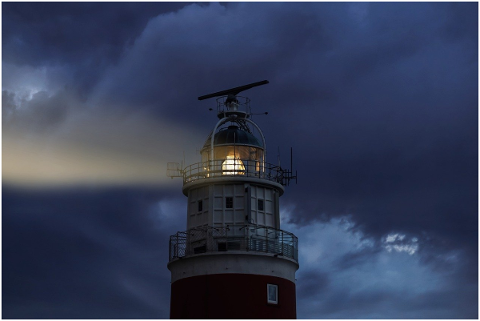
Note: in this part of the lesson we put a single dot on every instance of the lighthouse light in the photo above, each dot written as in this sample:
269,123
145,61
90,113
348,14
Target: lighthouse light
232,166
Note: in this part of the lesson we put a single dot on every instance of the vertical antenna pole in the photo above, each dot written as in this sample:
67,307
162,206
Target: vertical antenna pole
291,160
291,164
278,155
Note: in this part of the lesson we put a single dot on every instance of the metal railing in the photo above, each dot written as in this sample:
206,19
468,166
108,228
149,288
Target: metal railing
242,104
241,168
255,238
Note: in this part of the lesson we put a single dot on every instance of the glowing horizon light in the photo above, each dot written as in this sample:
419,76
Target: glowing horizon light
232,166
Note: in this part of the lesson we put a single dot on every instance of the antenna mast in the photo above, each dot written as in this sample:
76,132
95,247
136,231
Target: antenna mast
233,92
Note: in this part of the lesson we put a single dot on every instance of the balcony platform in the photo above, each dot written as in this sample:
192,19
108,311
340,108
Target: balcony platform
249,238
248,168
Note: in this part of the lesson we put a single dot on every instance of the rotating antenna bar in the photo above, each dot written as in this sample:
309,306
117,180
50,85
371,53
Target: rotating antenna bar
232,92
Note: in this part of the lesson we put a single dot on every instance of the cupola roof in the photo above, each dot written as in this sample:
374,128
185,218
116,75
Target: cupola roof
233,135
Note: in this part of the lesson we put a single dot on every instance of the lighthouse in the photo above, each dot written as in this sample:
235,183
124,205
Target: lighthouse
233,261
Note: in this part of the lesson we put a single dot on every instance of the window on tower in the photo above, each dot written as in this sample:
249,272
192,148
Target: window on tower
260,205
200,205
228,202
272,293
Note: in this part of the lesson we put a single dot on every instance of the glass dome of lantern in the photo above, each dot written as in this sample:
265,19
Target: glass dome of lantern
235,151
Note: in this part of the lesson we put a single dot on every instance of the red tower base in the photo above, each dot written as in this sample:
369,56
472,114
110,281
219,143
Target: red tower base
231,296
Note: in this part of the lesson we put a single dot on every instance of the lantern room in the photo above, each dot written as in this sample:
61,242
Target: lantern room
235,150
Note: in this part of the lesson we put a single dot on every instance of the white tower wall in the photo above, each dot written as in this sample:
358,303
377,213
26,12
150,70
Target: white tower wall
221,205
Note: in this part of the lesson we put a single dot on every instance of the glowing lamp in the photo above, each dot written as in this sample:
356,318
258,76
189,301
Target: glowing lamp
232,166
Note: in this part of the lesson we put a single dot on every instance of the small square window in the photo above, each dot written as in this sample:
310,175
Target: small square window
228,202
200,205
260,205
272,293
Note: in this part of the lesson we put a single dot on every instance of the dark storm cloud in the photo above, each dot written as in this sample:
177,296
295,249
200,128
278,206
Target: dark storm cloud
378,100
73,32
213,45
87,37
398,144
318,282
41,113
85,254
352,259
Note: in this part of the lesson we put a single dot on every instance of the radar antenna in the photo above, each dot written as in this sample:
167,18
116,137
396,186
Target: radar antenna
233,92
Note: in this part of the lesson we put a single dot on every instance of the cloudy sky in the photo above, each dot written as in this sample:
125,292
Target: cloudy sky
378,100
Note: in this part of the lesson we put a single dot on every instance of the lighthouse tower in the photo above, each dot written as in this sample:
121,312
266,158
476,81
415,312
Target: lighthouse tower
233,261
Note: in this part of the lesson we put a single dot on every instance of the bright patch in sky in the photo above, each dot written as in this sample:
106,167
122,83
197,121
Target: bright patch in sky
397,242
26,81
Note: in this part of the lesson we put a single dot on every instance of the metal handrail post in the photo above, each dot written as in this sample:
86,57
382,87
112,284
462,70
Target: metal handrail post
282,243
247,237
266,238
178,255
295,249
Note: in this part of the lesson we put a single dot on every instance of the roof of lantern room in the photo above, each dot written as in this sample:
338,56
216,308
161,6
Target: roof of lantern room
233,135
